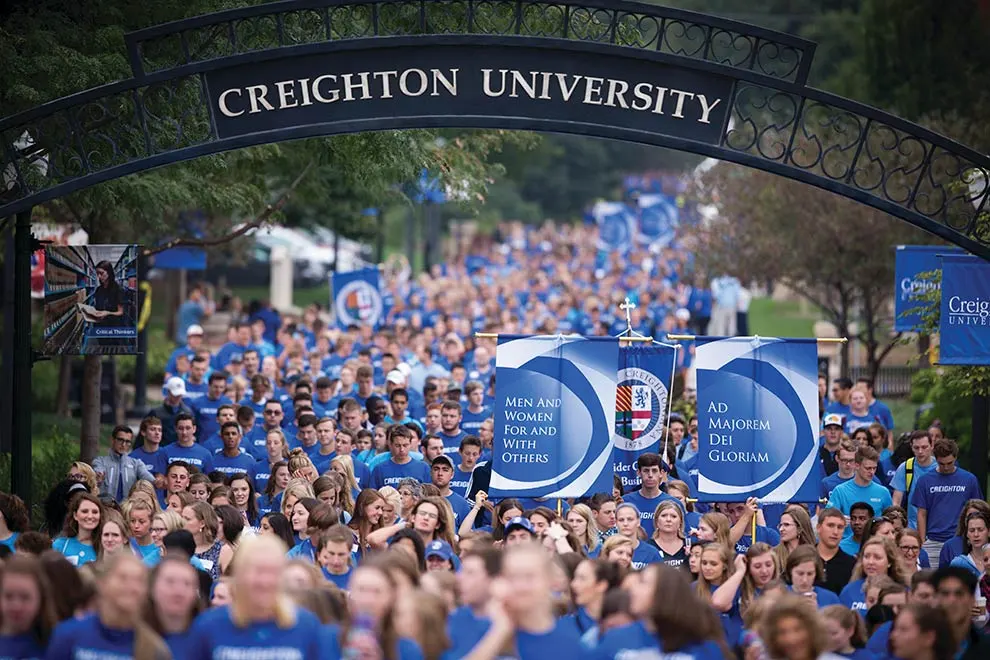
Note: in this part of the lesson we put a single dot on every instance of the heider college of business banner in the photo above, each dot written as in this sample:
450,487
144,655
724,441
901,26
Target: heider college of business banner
758,419
554,416
641,406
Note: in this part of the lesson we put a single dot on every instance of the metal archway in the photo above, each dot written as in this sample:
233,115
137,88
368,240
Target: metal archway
620,70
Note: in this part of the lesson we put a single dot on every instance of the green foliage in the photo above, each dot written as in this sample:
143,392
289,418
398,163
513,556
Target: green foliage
159,350
947,396
51,456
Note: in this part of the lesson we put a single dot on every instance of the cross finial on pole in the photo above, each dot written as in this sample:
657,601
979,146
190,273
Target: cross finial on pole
627,306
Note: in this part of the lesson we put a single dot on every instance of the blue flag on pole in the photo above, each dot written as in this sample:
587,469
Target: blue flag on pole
911,261
758,419
554,416
658,219
642,401
964,323
357,298
616,225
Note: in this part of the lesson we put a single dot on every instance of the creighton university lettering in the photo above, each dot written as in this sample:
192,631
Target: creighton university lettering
481,84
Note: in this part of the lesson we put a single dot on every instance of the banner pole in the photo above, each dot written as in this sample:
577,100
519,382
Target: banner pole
560,508
820,340
670,404
752,532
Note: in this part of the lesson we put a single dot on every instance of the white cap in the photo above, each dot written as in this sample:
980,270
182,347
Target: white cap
176,386
683,314
194,329
395,376
404,369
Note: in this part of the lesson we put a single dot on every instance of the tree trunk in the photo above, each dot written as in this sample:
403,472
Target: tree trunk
924,345
64,380
91,411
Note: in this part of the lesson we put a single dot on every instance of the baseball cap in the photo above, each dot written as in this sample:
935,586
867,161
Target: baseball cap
395,376
176,386
519,523
454,387
440,549
404,369
832,419
194,329
443,458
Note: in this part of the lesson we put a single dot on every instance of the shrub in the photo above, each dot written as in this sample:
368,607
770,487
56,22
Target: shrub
50,459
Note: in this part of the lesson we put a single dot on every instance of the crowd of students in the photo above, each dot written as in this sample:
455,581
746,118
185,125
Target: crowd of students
313,492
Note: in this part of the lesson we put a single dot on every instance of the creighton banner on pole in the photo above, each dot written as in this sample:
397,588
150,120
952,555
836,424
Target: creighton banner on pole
758,419
964,323
911,262
554,416
641,405
357,299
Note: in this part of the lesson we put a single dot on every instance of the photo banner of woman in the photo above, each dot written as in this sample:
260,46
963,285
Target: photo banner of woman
758,419
91,295
554,416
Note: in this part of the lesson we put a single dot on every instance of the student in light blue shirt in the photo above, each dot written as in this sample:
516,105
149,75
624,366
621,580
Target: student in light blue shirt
78,542
861,488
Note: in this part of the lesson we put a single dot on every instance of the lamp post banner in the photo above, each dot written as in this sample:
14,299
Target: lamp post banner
554,416
758,419
479,80
964,322
910,262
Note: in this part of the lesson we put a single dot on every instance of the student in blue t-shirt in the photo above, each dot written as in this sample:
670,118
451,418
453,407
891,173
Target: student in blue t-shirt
845,457
333,553
652,472
916,467
268,624
110,632
475,413
879,557
185,448
78,542
207,407
861,488
532,629
232,459
941,496
470,452
627,521
450,427
27,625
741,517
859,416
441,474
150,452
399,465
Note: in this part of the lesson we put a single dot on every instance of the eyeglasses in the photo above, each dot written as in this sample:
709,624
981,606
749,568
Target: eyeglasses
910,548
273,412
126,441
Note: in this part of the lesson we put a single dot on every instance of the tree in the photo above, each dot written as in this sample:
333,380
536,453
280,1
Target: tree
830,250
53,49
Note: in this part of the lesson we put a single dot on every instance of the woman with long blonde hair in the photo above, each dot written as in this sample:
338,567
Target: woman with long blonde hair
301,466
720,568
422,616
296,490
795,530
259,608
714,528
582,522
122,588
878,557
344,466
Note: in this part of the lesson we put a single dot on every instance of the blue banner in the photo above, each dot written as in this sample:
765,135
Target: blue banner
357,298
616,225
911,261
641,404
554,416
181,258
758,419
658,219
964,323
